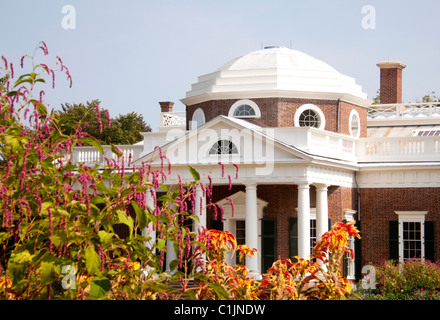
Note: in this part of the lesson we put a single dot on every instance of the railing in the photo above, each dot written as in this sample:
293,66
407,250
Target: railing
404,111
91,156
319,142
399,149
172,119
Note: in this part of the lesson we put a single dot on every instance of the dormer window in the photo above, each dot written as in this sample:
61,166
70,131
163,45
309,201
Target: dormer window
223,147
244,109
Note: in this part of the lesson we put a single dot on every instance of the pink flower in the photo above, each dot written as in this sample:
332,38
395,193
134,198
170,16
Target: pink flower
223,168
22,60
230,182
236,170
44,48
232,205
6,62
108,118
53,78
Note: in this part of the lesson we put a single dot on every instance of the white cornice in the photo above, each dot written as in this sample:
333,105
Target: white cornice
276,94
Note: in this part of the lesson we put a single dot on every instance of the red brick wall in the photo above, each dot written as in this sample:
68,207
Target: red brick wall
390,85
378,206
282,203
280,112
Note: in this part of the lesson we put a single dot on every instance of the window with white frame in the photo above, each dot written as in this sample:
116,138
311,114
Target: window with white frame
309,115
223,147
355,124
244,109
198,118
349,263
411,234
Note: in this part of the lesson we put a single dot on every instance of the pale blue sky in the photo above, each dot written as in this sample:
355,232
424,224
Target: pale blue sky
133,54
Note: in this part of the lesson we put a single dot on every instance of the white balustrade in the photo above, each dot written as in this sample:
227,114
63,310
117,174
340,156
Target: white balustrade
398,149
91,156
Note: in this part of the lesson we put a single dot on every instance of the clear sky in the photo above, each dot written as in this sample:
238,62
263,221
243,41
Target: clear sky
132,54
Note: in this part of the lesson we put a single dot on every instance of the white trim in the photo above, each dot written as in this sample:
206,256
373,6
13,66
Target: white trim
194,122
312,107
242,102
354,113
411,216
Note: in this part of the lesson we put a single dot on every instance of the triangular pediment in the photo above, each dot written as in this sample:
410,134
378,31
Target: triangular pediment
237,141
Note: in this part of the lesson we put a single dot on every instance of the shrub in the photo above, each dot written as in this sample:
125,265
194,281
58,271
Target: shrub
407,277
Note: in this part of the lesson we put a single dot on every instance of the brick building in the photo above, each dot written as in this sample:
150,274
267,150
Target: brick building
311,151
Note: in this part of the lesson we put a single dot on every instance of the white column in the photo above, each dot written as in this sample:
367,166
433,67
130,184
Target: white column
304,221
199,209
252,227
150,230
321,210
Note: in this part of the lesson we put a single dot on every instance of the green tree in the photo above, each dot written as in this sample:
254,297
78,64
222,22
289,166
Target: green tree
124,129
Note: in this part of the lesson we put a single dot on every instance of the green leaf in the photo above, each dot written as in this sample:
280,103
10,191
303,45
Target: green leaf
92,142
47,273
125,219
194,173
93,261
105,237
160,244
140,214
220,291
99,287
18,263
116,150
41,108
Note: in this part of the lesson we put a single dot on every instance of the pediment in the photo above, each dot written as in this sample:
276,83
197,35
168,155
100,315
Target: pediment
251,145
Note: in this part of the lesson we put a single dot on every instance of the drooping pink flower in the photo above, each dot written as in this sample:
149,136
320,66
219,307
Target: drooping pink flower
22,60
5,62
223,168
232,205
230,182
44,48
236,170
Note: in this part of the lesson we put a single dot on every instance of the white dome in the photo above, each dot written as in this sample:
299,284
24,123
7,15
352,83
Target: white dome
275,72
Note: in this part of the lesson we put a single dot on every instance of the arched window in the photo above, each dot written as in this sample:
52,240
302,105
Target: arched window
244,109
355,124
198,118
309,115
223,147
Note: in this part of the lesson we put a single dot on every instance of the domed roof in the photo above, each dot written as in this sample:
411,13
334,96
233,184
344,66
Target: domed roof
275,72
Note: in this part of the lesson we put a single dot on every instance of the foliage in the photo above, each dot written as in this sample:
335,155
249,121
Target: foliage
318,278
59,220
124,129
407,277
56,214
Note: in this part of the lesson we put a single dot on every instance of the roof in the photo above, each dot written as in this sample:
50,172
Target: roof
275,72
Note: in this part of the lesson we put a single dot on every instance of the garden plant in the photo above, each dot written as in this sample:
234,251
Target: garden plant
59,219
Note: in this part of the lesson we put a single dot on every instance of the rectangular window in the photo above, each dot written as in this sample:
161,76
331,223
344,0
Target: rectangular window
412,240
240,236
312,234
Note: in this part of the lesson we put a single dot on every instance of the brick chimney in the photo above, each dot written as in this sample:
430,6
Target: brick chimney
166,106
391,81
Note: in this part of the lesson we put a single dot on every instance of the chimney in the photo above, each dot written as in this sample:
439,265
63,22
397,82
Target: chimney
166,106
391,81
